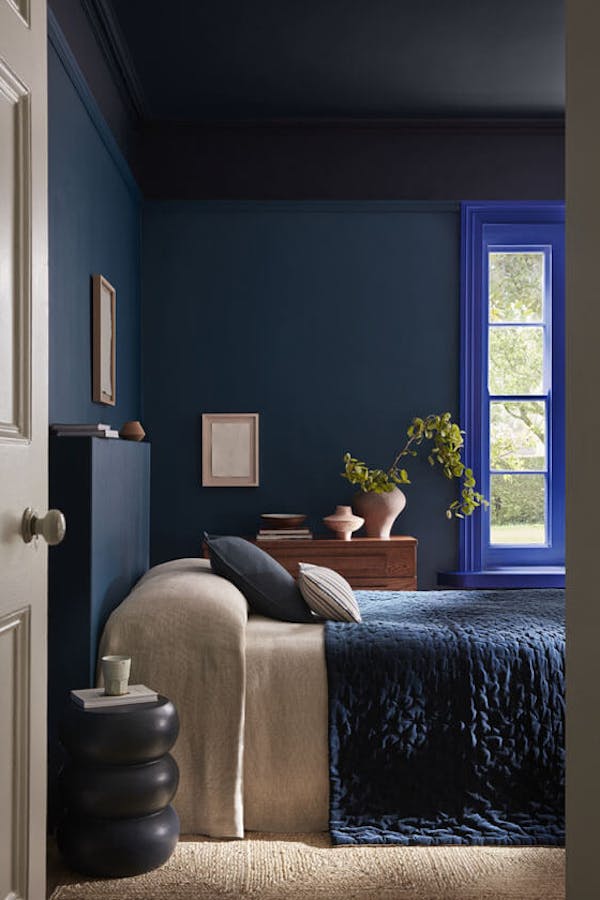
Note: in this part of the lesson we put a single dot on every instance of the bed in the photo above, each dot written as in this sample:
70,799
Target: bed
278,718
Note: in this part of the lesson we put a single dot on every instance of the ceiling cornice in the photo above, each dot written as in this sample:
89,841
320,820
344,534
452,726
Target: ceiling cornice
71,66
114,48
405,125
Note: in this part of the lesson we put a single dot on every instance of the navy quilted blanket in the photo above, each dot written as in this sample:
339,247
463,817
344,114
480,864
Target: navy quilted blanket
446,719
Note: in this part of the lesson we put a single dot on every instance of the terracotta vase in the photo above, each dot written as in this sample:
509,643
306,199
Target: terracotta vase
132,431
342,522
379,511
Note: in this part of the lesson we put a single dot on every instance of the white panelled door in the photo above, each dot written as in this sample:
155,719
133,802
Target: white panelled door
23,445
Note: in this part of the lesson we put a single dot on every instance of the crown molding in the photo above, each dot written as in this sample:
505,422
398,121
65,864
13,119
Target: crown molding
404,125
77,78
297,207
114,48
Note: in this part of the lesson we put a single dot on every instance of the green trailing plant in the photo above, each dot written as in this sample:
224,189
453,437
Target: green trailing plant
446,451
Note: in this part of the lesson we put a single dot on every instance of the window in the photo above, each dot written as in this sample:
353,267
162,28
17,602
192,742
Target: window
513,391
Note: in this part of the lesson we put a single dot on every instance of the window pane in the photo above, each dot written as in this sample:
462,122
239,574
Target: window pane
516,360
518,434
517,506
516,287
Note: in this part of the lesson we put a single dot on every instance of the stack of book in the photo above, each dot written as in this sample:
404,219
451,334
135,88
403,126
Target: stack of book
98,430
284,534
95,698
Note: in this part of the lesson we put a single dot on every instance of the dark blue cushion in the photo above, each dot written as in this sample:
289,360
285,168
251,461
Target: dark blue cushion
268,588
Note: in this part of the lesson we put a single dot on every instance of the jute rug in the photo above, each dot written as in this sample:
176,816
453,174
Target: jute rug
307,867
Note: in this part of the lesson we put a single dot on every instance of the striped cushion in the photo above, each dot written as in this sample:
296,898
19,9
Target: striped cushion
328,594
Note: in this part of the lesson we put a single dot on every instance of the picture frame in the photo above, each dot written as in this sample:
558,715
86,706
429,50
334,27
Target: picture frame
104,306
230,450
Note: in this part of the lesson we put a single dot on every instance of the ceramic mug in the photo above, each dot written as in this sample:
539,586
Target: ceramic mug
115,672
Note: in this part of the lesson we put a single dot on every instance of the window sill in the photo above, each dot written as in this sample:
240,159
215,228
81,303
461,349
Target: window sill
514,577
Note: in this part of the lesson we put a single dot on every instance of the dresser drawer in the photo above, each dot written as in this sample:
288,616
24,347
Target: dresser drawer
366,563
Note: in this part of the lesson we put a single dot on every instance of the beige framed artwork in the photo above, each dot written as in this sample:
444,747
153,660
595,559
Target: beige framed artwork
104,301
230,449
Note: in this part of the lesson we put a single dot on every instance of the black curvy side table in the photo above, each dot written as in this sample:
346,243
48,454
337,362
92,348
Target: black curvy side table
117,788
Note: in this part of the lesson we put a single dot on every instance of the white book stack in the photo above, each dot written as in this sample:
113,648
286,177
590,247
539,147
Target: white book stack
284,534
95,698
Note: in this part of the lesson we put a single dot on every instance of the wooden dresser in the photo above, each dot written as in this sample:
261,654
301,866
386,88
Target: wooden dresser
368,563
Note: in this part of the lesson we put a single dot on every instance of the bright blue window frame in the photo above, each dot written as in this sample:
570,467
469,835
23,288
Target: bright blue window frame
487,227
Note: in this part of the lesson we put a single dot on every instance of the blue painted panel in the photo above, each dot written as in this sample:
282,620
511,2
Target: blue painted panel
103,487
337,323
94,225
120,527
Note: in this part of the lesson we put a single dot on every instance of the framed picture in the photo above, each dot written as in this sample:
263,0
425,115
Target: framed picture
104,388
230,449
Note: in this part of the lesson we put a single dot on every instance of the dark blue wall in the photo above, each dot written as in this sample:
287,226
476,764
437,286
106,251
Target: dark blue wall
337,322
94,226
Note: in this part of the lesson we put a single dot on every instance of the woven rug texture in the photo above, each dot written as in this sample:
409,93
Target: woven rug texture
308,867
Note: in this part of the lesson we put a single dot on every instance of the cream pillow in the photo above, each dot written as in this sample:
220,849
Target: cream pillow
328,594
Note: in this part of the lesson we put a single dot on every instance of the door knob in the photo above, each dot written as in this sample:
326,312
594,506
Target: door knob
51,527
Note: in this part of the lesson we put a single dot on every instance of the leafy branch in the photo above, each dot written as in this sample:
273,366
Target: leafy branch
447,441
523,412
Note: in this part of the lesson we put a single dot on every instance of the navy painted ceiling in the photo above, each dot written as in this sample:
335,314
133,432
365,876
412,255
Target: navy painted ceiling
265,59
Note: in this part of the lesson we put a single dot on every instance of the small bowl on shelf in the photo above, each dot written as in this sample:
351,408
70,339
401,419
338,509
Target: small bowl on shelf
282,520
132,431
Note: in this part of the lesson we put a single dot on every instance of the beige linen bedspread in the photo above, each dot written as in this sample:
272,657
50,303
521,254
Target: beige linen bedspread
251,694
286,760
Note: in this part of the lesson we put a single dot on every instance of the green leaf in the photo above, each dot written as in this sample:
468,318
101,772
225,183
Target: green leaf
447,443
